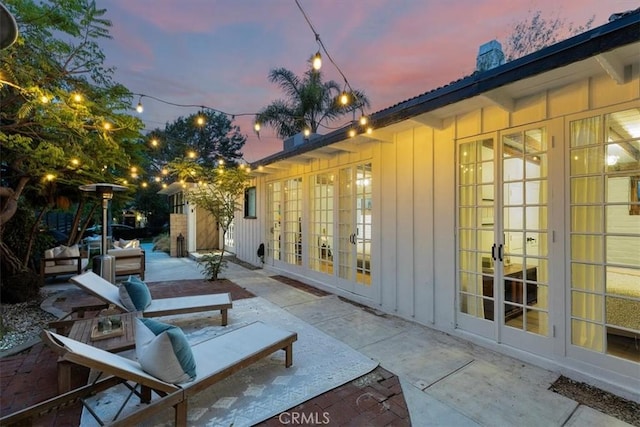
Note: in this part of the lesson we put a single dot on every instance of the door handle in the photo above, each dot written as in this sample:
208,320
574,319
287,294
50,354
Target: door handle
493,252
500,248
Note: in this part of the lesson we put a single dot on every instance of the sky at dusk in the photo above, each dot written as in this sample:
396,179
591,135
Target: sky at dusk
218,53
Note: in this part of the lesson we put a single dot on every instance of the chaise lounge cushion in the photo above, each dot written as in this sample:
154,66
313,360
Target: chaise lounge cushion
164,352
134,294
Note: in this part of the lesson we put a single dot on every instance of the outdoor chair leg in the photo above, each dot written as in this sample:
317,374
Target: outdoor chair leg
181,414
224,316
288,355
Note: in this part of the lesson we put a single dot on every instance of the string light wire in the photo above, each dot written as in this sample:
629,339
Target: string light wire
324,49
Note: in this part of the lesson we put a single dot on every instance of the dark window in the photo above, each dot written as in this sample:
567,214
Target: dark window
250,202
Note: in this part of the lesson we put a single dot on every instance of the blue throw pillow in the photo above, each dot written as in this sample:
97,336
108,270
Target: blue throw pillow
134,294
164,352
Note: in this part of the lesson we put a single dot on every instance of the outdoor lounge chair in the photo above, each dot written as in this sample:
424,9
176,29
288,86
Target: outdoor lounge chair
216,359
109,293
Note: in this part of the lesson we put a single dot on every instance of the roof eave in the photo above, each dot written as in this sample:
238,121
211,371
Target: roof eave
621,32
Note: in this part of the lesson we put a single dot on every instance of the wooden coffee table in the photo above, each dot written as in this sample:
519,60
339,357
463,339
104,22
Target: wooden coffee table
81,331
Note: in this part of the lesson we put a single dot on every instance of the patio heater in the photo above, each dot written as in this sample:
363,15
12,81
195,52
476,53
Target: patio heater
104,265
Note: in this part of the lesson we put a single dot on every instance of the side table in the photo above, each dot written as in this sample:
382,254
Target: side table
81,331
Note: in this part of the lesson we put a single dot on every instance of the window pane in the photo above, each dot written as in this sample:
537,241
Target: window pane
467,217
535,140
467,153
586,219
536,192
589,335
587,277
624,250
467,196
587,161
587,190
586,306
585,132
587,248
536,218
536,166
467,239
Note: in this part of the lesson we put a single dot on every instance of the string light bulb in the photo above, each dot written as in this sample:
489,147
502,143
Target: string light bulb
352,133
344,98
77,97
200,121
256,126
154,142
316,62
364,120
139,107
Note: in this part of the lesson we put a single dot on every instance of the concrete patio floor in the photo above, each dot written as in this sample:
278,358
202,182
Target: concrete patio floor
444,381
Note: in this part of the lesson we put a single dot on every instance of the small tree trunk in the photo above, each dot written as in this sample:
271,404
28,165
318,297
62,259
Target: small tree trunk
10,261
219,263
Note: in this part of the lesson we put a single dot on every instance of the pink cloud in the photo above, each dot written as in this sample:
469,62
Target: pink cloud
219,53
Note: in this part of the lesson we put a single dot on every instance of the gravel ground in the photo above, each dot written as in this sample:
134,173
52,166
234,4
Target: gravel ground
23,322
600,400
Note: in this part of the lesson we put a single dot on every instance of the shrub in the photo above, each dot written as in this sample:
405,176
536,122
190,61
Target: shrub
162,242
212,265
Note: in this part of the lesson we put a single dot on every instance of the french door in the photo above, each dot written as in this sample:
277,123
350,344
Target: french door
503,238
354,229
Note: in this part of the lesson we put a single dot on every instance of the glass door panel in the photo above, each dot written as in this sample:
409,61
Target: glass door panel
362,236
605,233
346,226
355,206
292,199
321,210
476,234
274,195
524,227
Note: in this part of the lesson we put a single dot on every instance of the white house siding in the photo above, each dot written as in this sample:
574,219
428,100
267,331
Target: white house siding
248,232
414,197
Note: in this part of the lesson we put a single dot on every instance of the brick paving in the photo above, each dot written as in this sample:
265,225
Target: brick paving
373,400
31,376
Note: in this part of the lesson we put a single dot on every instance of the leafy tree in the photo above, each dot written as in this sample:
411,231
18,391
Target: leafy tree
62,116
210,135
310,102
218,191
537,32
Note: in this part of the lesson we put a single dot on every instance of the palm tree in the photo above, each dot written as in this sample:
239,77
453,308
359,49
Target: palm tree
310,102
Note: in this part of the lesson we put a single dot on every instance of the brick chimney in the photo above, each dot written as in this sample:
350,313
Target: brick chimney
489,56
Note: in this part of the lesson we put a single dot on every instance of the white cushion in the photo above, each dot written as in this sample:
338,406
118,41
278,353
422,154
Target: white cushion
66,251
164,352
126,244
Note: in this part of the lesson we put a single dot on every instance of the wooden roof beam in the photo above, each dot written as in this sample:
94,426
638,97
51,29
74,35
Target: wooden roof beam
612,65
